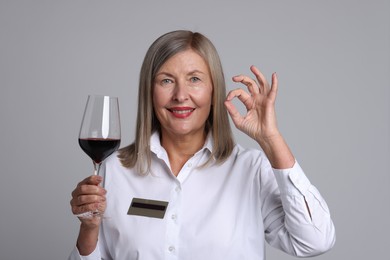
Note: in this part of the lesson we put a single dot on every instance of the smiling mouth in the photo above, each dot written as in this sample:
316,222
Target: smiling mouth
181,111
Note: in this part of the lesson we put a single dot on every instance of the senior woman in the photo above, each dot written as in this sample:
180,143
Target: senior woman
184,189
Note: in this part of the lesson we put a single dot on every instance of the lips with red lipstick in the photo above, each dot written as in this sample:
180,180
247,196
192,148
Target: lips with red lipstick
181,112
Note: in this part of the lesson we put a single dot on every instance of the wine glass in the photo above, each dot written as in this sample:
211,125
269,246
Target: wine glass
100,133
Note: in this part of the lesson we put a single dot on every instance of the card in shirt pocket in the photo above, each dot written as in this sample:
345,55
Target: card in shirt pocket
148,208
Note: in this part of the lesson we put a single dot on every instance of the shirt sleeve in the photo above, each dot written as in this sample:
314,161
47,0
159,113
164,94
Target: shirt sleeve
298,219
75,255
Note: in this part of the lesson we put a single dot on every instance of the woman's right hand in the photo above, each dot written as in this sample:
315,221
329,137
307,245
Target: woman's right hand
89,196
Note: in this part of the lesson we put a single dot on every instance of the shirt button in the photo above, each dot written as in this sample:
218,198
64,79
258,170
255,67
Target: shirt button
171,249
189,165
174,216
177,189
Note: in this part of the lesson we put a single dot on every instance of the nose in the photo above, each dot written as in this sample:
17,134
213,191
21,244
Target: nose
180,92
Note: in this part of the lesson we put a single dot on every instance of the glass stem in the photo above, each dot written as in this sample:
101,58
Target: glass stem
96,167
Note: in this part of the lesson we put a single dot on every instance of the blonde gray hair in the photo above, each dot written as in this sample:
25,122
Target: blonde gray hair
138,154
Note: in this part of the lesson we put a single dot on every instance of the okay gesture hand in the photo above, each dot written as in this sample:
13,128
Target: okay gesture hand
260,120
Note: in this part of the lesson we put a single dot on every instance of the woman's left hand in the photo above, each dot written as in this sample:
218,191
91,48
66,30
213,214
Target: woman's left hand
260,120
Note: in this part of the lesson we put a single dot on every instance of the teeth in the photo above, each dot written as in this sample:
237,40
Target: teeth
182,111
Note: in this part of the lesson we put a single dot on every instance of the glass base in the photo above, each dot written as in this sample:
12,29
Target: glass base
89,215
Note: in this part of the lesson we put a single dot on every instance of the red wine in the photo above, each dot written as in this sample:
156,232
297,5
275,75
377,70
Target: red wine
98,148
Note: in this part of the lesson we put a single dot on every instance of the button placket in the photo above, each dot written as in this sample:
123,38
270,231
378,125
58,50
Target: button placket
173,225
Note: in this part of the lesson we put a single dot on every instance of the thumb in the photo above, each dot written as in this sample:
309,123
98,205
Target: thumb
92,180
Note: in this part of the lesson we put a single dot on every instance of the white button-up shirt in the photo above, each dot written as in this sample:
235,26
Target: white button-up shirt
221,211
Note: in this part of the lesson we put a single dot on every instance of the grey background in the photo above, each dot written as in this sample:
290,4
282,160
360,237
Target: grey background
333,62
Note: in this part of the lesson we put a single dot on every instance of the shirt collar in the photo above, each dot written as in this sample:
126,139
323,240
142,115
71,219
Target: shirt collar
155,144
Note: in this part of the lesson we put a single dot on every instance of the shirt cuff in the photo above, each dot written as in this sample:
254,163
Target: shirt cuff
93,256
292,180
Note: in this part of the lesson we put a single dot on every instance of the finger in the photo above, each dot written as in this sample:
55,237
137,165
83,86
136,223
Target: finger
274,87
243,96
86,189
86,199
88,207
234,93
264,86
231,108
88,203
92,180
233,112
249,82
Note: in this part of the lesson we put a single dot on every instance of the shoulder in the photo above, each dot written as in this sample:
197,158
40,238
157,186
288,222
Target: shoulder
249,158
241,153
253,162
115,173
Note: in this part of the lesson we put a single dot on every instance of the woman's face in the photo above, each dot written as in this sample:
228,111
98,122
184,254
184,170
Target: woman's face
182,94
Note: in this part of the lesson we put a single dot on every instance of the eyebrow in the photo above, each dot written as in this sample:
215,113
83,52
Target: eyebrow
195,72
189,73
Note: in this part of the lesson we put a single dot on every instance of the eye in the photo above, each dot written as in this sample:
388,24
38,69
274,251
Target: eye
194,79
166,81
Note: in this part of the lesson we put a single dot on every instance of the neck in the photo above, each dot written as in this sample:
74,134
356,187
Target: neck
181,148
